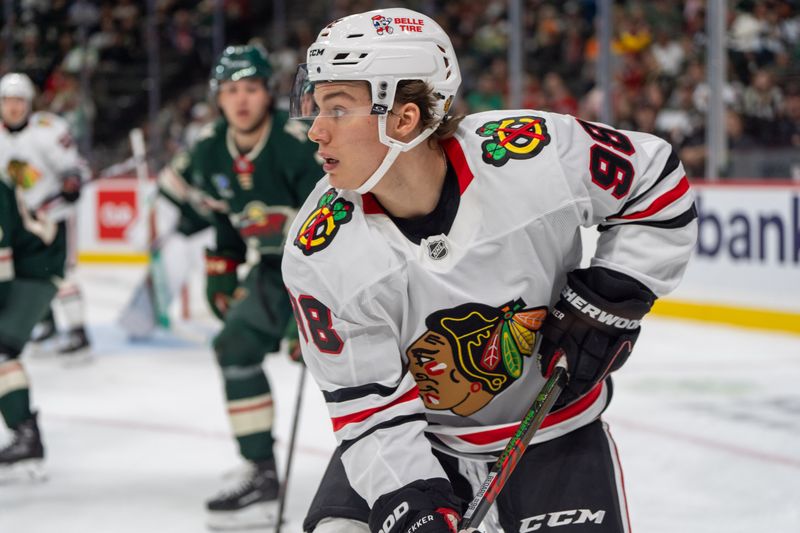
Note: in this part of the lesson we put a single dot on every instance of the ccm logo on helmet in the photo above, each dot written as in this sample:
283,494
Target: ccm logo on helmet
393,518
314,52
596,313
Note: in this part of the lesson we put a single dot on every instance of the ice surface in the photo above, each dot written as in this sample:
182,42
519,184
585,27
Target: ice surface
707,421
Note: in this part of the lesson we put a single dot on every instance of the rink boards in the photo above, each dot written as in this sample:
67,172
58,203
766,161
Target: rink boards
745,270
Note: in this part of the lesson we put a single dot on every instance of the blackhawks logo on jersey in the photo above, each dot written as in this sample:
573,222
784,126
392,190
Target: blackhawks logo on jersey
471,353
513,138
23,174
322,225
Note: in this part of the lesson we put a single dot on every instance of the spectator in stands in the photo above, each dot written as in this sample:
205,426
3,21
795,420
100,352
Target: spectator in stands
559,97
762,106
181,33
738,137
789,126
31,60
485,96
745,38
661,43
105,38
644,119
668,53
549,30
202,115
679,118
532,95
76,108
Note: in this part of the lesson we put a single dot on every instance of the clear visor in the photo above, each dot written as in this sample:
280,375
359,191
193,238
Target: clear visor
302,104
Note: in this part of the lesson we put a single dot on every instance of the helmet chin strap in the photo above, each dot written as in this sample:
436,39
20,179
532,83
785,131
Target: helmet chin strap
395,149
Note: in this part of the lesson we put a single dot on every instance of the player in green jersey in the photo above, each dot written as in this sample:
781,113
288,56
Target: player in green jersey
31,265
248,174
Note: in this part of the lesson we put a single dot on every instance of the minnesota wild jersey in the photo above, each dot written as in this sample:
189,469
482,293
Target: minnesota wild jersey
430,343
38,156
251,199
23,253
9,224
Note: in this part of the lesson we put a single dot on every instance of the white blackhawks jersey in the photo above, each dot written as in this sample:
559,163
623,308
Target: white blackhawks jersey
38,156
430,345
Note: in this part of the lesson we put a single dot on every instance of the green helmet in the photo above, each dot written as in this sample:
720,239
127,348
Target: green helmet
239,62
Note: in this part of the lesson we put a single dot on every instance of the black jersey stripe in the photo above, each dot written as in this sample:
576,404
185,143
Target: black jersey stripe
669,167
354,393
676,222
393,422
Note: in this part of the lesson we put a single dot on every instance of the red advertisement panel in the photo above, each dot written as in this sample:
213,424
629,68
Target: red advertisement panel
116,210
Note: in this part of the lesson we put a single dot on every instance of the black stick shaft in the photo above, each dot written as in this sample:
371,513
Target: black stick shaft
505,464
285,485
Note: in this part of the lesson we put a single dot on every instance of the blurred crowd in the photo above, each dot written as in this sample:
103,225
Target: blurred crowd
659,72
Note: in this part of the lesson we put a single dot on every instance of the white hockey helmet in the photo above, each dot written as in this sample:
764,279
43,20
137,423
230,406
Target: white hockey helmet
382,47
17,85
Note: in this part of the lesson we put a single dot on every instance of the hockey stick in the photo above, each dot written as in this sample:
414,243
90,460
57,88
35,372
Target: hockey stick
285,485
157,275
516,446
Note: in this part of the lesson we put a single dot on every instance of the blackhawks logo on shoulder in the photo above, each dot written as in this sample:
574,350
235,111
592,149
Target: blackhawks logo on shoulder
321,226
513,138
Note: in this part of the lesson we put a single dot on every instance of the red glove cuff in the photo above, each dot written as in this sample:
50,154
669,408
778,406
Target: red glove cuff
217,265
451,517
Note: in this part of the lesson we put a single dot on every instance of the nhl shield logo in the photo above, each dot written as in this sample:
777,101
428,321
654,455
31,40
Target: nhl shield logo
437,249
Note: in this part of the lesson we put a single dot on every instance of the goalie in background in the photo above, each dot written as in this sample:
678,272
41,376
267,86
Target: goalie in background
40,157
181,233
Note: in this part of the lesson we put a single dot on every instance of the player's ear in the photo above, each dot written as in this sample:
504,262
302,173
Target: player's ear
405,123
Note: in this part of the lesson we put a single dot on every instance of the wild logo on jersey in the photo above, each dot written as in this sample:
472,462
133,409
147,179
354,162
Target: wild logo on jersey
513,138
322,225
471,353
260,221
23,174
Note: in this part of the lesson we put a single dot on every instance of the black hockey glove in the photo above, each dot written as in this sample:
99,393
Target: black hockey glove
425,506
595,324
71,187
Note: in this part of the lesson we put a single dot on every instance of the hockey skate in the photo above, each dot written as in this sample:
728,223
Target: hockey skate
251,503
44,338
23,457
44,330
75,348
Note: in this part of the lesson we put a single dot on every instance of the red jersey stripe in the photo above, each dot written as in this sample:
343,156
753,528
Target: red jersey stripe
481,438
456,157
661,202
11,366
341,421
371,205
254,407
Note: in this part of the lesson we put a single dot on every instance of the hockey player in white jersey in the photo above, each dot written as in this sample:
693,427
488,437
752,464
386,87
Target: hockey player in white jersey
37,152
434,257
